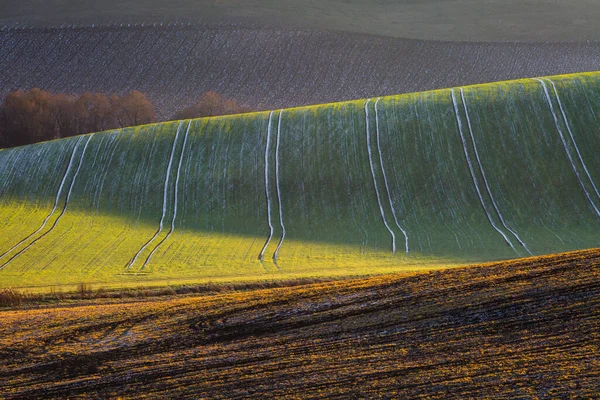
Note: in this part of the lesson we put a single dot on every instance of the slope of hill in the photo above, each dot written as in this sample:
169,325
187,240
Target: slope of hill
266,68
407,182
469,20
520,329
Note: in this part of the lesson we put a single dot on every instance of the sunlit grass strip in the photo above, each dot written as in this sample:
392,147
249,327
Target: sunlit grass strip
64,209
56,202
96,257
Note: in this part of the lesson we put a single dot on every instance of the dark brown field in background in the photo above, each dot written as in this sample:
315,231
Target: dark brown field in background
263,67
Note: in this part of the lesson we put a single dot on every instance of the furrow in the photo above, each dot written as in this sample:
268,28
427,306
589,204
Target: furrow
164,207
56,201
278,190
587,172
480,165
175,199
64,207
261,256
565,146
375,178
385,180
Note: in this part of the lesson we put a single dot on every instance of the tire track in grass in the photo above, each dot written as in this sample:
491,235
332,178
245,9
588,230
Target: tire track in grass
410,206
64,207
472,171
164,208
587,172
261,256
375,178
12,161
278,191
175,199
487,186
56,201
387,187
565,146
62,238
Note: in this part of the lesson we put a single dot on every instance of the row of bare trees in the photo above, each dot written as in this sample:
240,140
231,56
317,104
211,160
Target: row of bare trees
33,116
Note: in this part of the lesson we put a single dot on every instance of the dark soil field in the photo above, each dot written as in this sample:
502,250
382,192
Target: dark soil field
470,20
265,68
519,329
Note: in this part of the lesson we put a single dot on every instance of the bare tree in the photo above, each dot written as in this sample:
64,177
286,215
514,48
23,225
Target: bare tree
37,115
133,109
211,104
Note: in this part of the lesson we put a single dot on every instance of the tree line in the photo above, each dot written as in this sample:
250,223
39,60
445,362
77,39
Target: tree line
36,115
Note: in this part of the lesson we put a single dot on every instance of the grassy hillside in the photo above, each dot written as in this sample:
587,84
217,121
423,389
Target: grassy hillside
518,329
465,20
400,183
266,68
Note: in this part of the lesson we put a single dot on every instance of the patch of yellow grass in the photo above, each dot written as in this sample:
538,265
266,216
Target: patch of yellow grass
96,249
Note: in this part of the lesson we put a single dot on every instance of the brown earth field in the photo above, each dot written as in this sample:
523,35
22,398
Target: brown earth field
264,67
472,20
517,329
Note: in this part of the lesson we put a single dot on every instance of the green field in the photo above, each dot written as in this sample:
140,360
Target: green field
464,20
447,177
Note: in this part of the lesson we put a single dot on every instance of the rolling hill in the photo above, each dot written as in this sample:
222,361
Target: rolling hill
401,183
517,329
265,67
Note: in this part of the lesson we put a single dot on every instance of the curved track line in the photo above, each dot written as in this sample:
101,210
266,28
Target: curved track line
64,207
56,201
278,190
175,201
387,187
587,172
564,142
471,170
375,179
261,256
164,209
487,186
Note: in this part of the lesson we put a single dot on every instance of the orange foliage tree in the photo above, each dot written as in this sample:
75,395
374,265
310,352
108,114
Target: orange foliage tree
211,104
32,116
